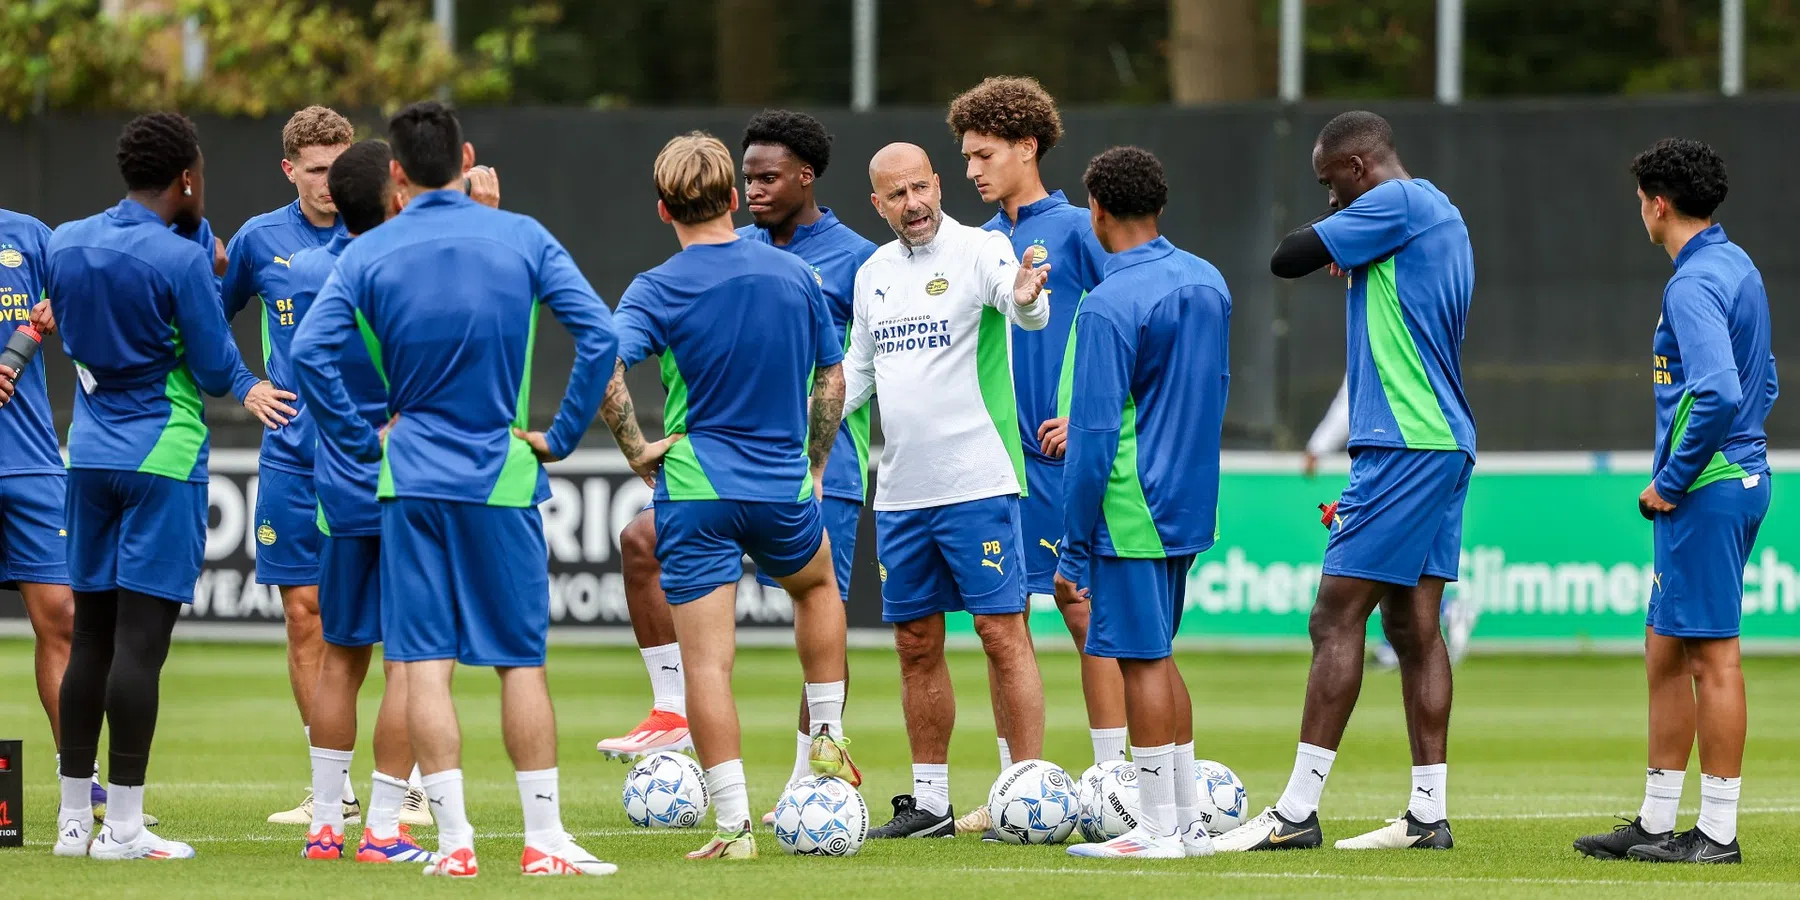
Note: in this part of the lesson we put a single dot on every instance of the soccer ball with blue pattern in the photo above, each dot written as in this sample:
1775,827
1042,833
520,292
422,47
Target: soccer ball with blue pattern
821,817
1034,802
1223,800
666,790
1108,792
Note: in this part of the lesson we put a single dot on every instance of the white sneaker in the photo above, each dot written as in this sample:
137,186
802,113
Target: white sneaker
1269,831
1133,844
143,846
566,858
1404,833
303,814
977,821
1194,839
415,809
76,833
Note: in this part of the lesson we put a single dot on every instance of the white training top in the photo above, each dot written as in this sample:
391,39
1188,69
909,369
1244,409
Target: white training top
1334,429
931,336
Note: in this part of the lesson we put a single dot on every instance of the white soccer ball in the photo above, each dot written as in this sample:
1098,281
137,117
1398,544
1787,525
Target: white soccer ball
666,790
1223,802
1087,787
1033,802
821,817
1112,807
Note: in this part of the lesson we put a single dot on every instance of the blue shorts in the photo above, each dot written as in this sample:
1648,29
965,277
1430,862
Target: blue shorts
965,556
350,590
1401,517
471,582
33,545
1041,523
841,517
136,531
288,541
1700,552
701,543
1136,606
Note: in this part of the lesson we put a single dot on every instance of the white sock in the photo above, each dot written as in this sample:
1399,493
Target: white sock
731,800
415,779
931,787
543,814
1109,743
1005,754
382,818
1427,798
446,792
1312,765
802,757
125,810
1662,794
666,684
1718,807
1187,790
77,796
825,706
1156,789
330,769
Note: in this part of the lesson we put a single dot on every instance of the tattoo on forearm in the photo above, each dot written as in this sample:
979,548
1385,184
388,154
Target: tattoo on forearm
827,412
621,416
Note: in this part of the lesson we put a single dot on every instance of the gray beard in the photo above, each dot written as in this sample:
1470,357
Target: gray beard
937,222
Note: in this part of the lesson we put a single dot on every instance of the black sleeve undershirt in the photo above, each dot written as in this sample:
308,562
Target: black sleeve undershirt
1302,252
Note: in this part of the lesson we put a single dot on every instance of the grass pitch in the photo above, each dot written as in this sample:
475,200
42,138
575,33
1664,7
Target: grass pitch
1542,750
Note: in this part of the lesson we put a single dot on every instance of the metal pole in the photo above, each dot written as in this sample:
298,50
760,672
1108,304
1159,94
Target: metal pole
444,13
1293,51
1449,51
862,55
1731,47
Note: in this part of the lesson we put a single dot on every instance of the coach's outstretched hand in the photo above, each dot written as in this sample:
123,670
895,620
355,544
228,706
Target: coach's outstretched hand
1029,282
266,402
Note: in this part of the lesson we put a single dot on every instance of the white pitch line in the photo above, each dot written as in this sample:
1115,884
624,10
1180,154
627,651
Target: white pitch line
1332,876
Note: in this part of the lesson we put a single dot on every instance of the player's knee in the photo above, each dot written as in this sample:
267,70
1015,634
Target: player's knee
1002,636
637,545
916,646
300,606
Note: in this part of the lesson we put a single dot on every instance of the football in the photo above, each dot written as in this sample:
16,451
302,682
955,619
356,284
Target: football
1033,802
1223,801
821,817
666,790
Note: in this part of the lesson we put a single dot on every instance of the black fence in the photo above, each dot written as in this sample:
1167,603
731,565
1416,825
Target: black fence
1567,288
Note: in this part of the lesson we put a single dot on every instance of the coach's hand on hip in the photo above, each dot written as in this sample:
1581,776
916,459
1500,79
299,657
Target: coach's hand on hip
266,402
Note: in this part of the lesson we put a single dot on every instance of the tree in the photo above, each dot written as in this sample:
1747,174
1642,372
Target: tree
1213,51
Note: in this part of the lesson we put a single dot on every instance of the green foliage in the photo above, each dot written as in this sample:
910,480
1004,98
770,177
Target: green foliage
261,57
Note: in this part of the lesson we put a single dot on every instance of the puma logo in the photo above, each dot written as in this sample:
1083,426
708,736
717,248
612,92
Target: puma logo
281,260
1157,771
436,802
1051,547
1656,771
925,781
1425,790
996,565
547,798
1319,773
1284,838
881,293
671,668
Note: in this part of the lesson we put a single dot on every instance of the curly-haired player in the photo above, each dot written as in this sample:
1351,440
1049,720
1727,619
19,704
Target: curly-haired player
1005,126
137,306
1713,376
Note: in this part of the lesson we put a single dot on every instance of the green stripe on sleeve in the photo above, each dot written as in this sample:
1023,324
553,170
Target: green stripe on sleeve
1718,468
268,346
682,473
519,474
1065,380
384,480
1400,367
1128,519
993,371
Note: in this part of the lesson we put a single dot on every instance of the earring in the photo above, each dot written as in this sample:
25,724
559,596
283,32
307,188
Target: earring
187,192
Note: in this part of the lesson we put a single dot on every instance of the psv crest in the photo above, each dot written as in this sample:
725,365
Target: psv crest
937,286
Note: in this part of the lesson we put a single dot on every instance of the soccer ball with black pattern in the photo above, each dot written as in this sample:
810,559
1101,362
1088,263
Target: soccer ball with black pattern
1223,801
1108,792
666,790
1034,802
821,817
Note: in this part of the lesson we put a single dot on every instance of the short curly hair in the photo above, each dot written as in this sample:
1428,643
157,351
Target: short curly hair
802,135
1689,173
1127,182
314,126
154,150
1009,107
